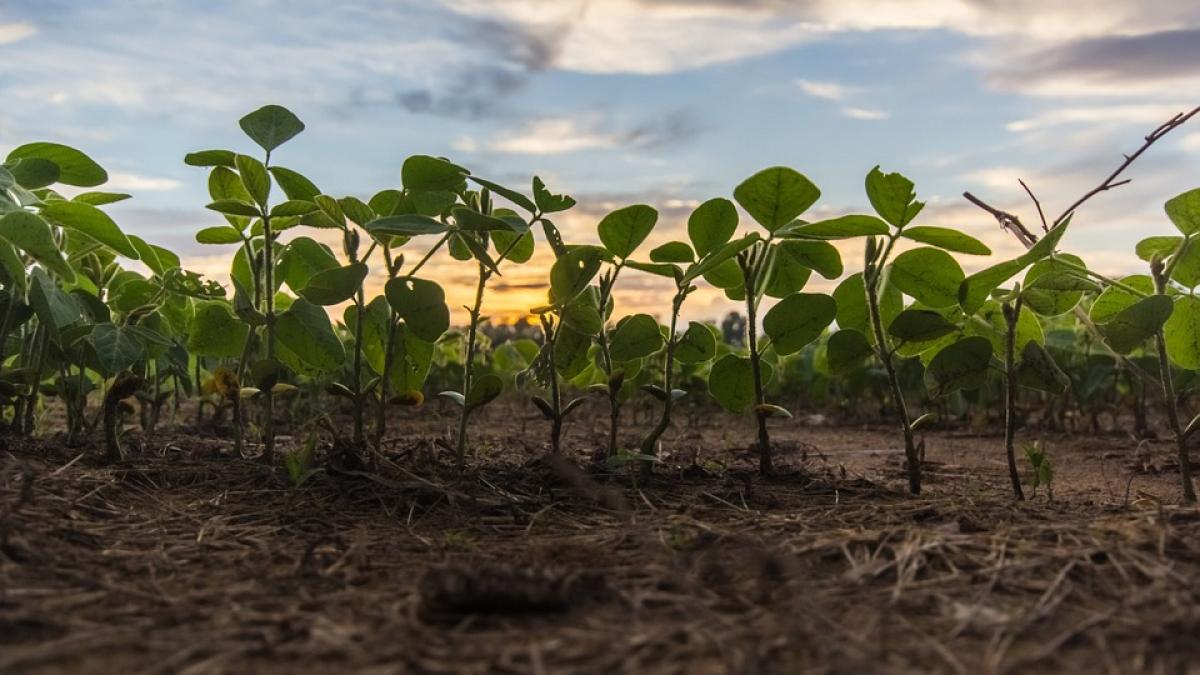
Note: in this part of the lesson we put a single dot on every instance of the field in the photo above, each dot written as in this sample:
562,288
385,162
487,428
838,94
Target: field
188,559
941,465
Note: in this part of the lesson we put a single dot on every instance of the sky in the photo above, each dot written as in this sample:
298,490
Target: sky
616,102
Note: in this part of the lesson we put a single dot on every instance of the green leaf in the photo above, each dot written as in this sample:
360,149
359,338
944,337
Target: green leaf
520,252
844,227
673,252
100,198
508,193
718,256
255,178
623,230
117,349
91,221
1046,245
407,225
1044,298
271,126
893,197
788,274
1113,300
421,304
572,273
668,270
547,201
1160,246
846,350
33,173
478,251
74,167
975,289
1135,324
636,337
583,313
1185,265
301,260
220,234
1183,210
425,173
1182,333
329,287
293,207
293,184
920,325
948,239
797,320
731,382
30,233
304,329
776,196
471,220
929,275
711,225
210,158
1037,370
484,389
53,307
234,207
698,344
818,256
962,365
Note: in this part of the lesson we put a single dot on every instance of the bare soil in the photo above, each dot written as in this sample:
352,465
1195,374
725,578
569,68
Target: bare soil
187,559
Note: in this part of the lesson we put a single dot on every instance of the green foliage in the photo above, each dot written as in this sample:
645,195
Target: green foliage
776,196
797,320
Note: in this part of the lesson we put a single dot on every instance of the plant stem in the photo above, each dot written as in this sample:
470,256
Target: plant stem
750,272
1169,398
1012,313
555,394
614,405
469,365
871,278
650,442
359,434
268,455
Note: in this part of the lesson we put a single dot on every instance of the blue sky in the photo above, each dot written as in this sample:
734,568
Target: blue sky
667,102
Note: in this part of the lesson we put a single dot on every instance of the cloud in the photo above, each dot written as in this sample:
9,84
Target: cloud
568,134
1110,65
865,113
830,91
1143,114
15,32
137,183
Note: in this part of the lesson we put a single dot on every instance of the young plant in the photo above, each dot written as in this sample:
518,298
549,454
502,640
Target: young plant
476,225
1174,260
710,230
571,317
295,333
622,232
778,266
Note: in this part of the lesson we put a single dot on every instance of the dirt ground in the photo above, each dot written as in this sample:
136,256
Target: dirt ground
186,559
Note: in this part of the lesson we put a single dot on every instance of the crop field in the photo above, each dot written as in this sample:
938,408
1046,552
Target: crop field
953,462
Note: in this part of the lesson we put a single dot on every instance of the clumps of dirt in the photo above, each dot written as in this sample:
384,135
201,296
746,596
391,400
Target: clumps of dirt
450,591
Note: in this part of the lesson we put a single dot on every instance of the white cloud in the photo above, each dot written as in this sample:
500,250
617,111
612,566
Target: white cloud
137,183
465,144
865,113
1191,142
15,32
1109,114
830,91
553,136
